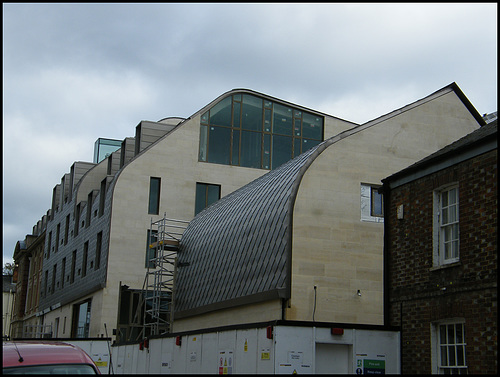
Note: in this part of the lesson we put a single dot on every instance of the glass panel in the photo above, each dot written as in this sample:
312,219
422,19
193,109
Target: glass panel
444,197
297,127
267,120
447,251
250,149
451,334
220,114
154,195
377,203
204,118
282,150
296,147
236,148
236,114
219,140
200,200
237,97
460,356
459,333
213,194
451,355
455,249
452,214
442,334
252,113
266,158
308,144
444,356
203,143
282,120
312,126
444,218
453,196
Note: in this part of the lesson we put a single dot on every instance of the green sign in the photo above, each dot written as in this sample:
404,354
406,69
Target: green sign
373,366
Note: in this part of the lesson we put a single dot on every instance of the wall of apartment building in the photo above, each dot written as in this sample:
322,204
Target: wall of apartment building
85,223
421,294
334,248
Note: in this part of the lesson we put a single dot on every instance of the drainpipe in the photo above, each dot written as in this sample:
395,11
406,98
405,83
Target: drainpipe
386,191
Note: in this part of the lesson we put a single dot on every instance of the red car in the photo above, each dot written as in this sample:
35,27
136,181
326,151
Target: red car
42,357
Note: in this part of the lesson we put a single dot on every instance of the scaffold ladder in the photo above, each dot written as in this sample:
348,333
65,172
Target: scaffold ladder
164,238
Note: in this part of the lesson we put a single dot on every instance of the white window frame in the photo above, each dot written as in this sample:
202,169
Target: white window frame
453,361
441,231
366,203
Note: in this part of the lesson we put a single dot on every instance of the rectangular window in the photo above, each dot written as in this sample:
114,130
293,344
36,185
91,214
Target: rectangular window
81,320
63,272
98,251
49,244
372,203
66,231
89,209
206,194
85,256
73,267
154,196
46,282
77,219
377,203
446,226
450,347
54,273
58,233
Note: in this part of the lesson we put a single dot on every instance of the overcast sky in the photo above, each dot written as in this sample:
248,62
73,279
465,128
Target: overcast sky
75,72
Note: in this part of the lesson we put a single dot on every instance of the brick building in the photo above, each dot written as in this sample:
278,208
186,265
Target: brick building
441,257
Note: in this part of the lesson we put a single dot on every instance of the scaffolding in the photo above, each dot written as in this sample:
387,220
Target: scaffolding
158,290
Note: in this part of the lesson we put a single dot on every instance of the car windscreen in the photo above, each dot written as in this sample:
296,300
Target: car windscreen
51,369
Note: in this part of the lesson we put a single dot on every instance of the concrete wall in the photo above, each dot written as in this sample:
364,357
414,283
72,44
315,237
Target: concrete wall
292,348
333,249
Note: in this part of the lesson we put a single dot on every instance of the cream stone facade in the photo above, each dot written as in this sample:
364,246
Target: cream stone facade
337,266
97,232
333,248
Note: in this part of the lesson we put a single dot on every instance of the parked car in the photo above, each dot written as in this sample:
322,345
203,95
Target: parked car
44,357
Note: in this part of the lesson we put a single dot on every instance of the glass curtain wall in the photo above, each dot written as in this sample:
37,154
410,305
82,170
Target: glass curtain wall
247,130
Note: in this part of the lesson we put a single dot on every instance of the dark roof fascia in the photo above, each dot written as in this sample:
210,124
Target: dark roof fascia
467,103
439,160
278,322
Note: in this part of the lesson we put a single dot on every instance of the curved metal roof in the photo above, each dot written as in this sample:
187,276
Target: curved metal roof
238,248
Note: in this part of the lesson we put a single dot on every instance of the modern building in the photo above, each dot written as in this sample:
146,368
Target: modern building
441,226
97,242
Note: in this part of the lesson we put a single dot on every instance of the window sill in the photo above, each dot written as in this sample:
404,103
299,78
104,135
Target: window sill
448,265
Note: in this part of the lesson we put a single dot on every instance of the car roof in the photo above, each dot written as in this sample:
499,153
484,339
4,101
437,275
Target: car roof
42,353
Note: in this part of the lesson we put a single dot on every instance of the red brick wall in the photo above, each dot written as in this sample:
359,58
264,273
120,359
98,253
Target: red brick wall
467,290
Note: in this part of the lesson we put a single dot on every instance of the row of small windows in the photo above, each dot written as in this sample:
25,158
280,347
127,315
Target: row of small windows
96,264
246,130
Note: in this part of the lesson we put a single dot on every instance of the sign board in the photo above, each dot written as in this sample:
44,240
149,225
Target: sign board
370,364
225,362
